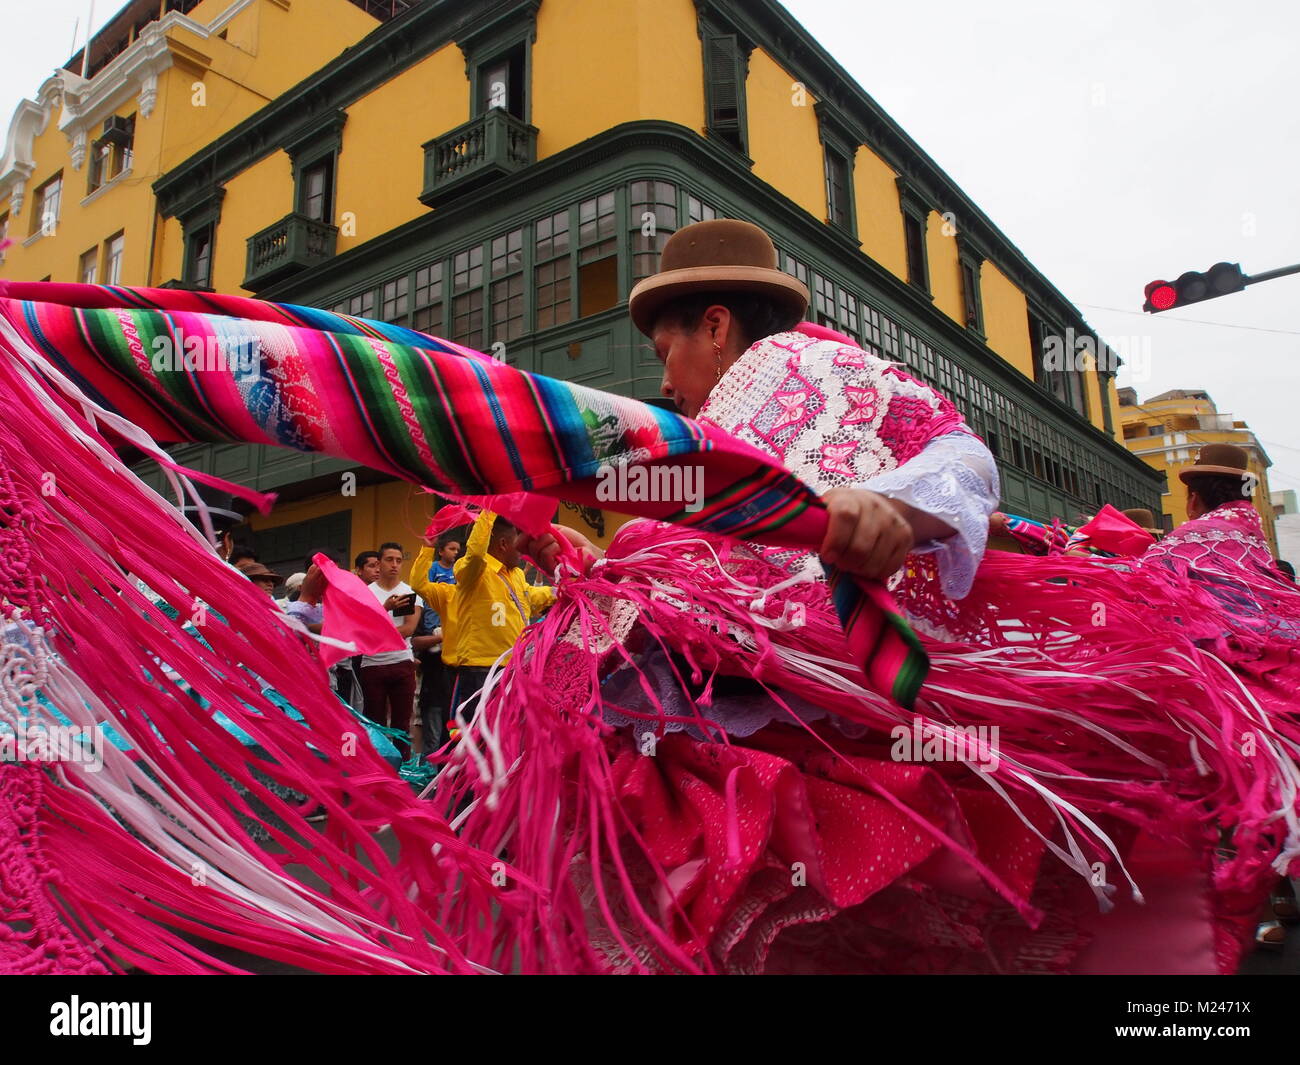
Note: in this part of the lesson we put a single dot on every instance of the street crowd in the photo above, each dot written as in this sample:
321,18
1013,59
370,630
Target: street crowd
458,612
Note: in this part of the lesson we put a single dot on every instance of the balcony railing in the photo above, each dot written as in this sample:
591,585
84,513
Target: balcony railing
484,148
294,243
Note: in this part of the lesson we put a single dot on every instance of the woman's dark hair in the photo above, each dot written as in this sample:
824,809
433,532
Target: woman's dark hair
1215,489
756,315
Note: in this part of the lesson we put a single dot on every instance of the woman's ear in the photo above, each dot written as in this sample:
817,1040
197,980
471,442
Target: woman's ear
719,322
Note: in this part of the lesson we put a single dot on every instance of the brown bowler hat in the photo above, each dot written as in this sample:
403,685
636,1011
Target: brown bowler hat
1218,459
254,570
1143,517
721,255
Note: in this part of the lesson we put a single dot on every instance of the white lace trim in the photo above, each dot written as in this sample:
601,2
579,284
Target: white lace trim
1215,535
954,479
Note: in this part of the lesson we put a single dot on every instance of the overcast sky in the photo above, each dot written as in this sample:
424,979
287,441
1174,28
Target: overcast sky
1114,141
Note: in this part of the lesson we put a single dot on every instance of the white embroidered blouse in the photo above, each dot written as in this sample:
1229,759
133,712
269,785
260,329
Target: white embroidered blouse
838,416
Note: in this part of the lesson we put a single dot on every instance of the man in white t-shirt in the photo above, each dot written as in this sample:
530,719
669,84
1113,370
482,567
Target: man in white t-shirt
388,678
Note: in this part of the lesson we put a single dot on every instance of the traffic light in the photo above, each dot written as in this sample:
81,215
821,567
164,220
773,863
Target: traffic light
1191,287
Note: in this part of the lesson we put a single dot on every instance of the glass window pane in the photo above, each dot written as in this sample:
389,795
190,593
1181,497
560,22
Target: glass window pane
394,300
507,253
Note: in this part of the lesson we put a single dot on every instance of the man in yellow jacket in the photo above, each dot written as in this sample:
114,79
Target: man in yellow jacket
485,611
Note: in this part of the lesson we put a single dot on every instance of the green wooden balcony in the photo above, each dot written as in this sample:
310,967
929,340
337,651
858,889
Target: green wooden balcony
294,243
484,148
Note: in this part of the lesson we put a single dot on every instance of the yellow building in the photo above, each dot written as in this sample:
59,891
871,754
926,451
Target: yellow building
159,81
502,173
1167,431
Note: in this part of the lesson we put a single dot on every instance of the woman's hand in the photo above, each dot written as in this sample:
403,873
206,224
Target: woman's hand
868,534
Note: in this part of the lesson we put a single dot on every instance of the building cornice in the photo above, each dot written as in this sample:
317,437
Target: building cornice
714,17
913,198
832,122
87,102
133,73
30,120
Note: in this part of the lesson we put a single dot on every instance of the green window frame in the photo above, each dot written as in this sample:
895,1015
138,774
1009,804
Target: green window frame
200,246
916,219
839,151
361,305
796,269
507,286
1067,385
823,300
651,200
849,315
839,190
597,287
468,311
313,152
394,297
970,260
496,41
699,211
428,299
726,67
552,269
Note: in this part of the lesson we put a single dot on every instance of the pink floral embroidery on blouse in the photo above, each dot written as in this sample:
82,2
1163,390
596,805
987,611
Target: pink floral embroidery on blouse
835,457
862,405
794,408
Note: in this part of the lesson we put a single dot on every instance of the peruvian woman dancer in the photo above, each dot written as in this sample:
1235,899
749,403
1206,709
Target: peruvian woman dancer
697,779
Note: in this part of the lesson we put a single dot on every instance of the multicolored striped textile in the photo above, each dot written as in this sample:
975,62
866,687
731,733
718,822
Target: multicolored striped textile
188,366
1037,538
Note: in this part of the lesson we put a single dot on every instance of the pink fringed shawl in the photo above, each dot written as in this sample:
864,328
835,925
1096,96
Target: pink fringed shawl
1229,539
133,865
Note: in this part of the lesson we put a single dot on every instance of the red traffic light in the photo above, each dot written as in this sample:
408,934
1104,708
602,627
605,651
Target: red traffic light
1193,287
1161,295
